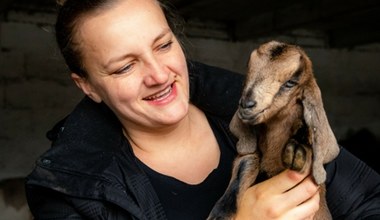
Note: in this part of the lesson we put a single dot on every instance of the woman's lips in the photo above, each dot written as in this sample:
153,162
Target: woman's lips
162,95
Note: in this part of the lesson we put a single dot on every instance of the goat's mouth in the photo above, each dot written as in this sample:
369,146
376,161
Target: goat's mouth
247,116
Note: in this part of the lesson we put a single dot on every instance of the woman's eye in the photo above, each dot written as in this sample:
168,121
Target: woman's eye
166,45
124,69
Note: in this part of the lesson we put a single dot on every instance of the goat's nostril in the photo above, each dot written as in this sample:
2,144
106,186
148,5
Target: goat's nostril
247,103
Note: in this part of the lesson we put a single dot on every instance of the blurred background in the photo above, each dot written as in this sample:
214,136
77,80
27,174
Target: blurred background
342,39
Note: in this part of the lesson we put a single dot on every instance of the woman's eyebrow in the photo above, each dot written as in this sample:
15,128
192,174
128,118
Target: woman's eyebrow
121,57
162,34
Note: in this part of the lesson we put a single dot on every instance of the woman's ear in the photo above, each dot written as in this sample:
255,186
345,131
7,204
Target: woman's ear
86,87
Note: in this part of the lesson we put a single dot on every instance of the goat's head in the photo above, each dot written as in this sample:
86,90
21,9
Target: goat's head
280,74
277,75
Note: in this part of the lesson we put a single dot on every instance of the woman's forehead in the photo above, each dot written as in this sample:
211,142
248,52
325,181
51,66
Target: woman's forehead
132,16
128,27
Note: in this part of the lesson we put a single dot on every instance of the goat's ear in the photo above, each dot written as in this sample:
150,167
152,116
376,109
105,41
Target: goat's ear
247,140
325,146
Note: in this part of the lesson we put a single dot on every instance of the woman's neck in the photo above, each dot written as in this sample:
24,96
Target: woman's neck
187,151
165,137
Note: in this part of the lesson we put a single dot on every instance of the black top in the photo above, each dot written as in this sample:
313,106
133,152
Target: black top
189,202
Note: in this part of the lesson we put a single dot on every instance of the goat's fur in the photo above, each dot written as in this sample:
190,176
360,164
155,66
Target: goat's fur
13,203
280,124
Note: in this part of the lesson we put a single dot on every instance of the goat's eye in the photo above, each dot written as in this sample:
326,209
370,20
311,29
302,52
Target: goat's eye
290,84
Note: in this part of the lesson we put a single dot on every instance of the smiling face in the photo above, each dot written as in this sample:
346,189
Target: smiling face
134,63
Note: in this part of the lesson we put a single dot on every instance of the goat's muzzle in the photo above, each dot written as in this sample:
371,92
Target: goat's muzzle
246,110
247,103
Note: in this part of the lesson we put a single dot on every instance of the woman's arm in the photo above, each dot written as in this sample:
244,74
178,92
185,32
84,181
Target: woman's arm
353,188
215,90
47,204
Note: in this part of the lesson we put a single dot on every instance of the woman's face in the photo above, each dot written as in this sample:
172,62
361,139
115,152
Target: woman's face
135,64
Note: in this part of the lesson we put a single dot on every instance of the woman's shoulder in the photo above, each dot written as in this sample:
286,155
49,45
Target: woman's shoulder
214,90
86,142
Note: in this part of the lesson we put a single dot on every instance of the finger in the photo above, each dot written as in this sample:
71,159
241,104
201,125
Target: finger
306,210
298,195
303,191
285,181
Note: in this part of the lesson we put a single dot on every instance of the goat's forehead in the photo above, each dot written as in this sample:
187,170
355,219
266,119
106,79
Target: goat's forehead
282,66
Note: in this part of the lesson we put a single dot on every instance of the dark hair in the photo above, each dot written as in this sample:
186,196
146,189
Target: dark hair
72,11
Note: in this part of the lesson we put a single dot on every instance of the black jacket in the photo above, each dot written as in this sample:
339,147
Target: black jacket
90,173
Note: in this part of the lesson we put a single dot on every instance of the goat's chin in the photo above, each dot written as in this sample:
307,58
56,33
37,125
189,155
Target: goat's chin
250,117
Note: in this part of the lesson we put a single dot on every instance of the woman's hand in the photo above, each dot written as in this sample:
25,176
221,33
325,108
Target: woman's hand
289,195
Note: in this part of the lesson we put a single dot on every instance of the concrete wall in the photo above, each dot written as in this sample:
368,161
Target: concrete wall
35,89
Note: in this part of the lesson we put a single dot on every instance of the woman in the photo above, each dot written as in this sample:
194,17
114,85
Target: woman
136,148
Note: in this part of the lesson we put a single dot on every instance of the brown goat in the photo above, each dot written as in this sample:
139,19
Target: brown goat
280,124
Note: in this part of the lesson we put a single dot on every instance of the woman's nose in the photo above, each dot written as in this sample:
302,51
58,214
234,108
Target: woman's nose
155,73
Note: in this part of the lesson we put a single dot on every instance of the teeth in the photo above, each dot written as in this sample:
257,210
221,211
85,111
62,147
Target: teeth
160,95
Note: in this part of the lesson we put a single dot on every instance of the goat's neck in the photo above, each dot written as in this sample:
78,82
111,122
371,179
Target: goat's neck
275,133
282,125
